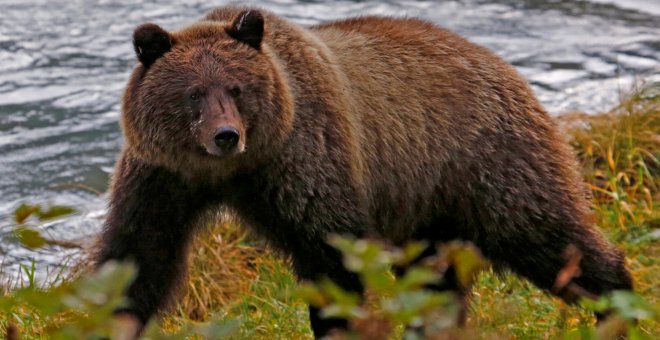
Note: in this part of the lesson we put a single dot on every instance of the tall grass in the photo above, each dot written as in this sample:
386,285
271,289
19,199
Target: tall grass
620,156
235,277
619,151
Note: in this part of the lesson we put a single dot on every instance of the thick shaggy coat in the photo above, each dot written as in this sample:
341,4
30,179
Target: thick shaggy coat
376,127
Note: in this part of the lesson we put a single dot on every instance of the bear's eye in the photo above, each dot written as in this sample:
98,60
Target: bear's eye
195,96
235,91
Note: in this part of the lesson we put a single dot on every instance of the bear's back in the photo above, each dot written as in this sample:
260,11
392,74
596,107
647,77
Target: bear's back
411,61
432,107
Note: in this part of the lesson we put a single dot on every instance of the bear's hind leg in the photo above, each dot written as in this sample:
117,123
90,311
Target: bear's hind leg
524,208
542,250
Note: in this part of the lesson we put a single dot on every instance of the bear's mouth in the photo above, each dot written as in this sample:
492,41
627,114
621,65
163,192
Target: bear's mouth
202,150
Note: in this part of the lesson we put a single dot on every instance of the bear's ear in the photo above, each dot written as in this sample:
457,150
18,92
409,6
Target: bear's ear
151,42
248,27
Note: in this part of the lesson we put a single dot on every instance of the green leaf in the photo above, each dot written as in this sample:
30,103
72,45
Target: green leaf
30,238
466,260
311,294
631,306
599,305
417,277
338,294
24,211
345,304
412,251
408,306
381,282
55,212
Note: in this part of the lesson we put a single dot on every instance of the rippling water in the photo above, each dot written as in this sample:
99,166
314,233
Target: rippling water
63,64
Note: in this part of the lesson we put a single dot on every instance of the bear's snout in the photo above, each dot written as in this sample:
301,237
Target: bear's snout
221,128
226,138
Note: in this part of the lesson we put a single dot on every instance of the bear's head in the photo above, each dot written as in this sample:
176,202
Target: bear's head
211,97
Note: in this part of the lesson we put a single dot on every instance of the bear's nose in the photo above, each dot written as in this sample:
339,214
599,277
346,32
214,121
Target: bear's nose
226,138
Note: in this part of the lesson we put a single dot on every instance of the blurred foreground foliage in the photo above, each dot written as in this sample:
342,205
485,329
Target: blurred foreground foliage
237,290
397,301
83,306
404,306
83,309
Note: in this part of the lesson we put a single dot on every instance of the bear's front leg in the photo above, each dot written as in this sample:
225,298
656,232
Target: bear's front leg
152,213
314,260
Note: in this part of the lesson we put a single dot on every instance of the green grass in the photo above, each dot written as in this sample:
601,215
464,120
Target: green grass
232,277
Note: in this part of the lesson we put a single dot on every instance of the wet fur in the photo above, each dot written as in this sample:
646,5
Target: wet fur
388,128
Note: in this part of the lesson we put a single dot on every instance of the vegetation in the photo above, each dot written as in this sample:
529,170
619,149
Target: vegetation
237,289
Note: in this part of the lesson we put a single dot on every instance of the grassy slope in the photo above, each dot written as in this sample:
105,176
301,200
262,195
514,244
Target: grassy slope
232,276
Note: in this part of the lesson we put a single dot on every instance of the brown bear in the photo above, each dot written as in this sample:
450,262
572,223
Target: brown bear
378,127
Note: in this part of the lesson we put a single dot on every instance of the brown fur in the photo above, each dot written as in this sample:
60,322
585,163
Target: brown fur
389,128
